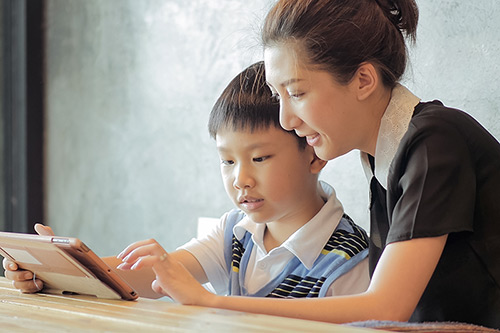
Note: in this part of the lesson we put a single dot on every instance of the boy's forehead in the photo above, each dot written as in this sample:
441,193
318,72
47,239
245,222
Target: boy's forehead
248,139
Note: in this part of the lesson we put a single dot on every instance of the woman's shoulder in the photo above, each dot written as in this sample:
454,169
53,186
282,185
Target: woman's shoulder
437,112
433,118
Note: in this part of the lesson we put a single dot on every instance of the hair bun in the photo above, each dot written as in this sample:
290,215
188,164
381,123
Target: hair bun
402,13
391,10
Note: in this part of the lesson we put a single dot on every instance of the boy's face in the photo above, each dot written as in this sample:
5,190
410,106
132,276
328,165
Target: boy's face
266,174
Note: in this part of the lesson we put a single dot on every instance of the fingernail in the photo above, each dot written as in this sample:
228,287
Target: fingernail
38,288
12,266
28,275
120,255
134,266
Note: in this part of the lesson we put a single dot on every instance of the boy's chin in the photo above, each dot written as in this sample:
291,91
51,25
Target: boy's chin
256,218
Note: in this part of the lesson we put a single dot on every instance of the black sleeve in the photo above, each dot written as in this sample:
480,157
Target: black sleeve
432,186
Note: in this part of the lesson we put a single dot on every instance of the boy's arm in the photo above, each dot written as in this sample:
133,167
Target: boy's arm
142,279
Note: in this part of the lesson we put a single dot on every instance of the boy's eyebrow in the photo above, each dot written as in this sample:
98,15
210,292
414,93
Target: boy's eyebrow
250,147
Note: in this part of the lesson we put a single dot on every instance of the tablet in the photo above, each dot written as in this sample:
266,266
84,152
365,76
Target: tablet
65,265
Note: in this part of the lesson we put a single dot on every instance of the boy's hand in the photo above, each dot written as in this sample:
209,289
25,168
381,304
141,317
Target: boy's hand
23,279
43,230
172,278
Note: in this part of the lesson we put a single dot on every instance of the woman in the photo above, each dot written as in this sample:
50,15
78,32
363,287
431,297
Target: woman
335,66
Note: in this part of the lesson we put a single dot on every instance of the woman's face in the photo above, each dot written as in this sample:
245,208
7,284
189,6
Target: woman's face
313,104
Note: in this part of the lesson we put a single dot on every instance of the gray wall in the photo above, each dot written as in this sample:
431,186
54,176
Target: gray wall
131,83
130,87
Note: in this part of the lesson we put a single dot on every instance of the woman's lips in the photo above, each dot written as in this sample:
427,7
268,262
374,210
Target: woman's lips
312,140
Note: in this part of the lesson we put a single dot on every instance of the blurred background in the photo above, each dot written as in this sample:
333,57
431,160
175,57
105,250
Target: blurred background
105,103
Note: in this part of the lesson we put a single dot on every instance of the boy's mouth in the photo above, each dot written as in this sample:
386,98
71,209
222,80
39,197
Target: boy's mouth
249,200
250,204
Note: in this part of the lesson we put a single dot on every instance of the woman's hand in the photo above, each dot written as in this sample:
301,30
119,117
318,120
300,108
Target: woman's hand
23,279
172,277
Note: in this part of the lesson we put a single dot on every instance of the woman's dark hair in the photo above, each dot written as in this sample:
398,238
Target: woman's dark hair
247,104
339,35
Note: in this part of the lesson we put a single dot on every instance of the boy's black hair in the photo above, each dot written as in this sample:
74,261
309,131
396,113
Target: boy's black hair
247,104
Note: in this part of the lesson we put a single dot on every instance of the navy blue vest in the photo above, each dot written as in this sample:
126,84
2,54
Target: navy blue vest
347,246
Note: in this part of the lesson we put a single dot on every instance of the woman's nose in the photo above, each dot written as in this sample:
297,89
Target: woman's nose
243,178
288,119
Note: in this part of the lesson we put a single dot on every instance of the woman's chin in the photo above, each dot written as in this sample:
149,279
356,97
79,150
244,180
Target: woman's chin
327,153
324,154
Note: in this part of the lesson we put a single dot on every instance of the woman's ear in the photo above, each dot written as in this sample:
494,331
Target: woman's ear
366,80
317,164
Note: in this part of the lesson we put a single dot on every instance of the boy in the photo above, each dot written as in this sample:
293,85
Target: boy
288,236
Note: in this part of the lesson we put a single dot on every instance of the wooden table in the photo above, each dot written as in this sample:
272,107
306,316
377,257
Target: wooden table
56,313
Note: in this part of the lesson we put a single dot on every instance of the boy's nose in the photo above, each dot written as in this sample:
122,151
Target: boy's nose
243,179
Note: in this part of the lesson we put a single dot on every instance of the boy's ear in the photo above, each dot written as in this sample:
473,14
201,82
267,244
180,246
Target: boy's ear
366,80
317,164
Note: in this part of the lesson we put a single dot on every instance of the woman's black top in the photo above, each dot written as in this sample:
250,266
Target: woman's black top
445,179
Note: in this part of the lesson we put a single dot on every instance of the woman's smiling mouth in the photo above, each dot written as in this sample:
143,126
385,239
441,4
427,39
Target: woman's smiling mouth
313,140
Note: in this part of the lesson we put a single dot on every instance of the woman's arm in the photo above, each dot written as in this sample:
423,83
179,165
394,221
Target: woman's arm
399,281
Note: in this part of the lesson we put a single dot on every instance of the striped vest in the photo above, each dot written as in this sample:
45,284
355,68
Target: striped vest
347,246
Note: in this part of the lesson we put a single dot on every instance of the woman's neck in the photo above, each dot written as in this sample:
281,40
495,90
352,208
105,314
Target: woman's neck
376,106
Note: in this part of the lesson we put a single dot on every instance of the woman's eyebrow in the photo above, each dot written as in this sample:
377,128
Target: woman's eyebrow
286,83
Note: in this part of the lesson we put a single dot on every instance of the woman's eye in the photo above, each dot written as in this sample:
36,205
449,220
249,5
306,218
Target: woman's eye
227,162
295,95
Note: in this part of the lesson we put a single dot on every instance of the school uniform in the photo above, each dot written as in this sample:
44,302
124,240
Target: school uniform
437,172
327,256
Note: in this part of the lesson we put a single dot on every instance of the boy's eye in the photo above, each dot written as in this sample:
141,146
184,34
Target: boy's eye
227,162
261,159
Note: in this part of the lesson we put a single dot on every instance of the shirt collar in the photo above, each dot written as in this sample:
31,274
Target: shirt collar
307,242
393,126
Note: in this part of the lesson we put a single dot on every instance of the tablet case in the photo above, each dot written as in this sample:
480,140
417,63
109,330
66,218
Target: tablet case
65,265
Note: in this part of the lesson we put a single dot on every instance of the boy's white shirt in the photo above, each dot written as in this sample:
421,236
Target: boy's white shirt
306,244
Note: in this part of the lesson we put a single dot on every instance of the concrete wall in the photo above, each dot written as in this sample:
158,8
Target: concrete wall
130,87
131,84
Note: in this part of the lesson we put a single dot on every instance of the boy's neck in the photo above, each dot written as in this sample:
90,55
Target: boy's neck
277,233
